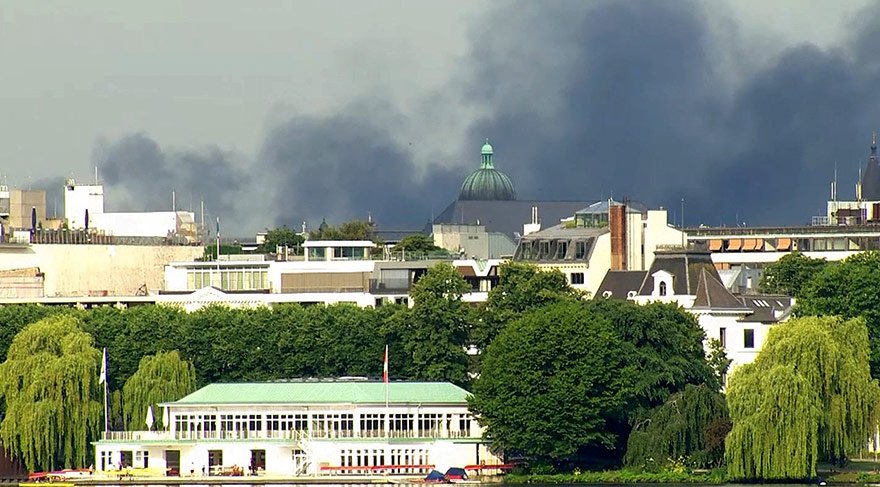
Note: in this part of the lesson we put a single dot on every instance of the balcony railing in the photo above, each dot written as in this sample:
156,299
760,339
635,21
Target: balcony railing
390,286
292,435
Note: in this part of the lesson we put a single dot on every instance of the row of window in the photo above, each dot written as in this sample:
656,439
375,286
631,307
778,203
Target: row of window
319,424
379,457
230,280
127,459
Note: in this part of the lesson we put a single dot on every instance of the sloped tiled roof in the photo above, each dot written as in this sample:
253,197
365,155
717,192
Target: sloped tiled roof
620,283
327,392
767,308
685,266
711,294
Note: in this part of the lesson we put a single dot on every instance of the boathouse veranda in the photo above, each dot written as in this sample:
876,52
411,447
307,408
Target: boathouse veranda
305,428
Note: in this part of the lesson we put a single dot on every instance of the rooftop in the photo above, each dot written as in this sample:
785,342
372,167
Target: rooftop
327,392
338,243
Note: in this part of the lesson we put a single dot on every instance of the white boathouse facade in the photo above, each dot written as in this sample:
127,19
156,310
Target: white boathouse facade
306,428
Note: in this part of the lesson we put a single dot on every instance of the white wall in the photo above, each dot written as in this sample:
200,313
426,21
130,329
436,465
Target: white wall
77,199
146,224
659,232
77,270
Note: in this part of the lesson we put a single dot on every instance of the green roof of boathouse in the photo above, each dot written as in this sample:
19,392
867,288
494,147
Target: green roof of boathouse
326,392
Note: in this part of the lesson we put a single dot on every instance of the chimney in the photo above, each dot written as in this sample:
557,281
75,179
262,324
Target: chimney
617,222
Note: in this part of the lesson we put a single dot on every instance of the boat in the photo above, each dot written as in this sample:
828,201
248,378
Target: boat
436,477
58,478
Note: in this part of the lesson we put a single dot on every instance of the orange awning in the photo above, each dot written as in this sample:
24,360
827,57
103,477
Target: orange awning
749,244
783,244
759,244
734,244
715,245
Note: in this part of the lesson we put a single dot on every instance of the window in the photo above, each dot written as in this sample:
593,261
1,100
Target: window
749,338
663,289
577,278
722,337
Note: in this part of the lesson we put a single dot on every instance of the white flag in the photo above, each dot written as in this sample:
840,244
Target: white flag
103,378
150,419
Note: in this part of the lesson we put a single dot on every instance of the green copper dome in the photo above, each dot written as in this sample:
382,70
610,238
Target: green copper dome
487,183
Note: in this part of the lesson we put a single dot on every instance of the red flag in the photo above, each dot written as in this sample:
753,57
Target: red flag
385,366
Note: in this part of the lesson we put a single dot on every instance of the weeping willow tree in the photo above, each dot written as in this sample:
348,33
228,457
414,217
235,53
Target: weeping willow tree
807,396
159,378
49,382
680,428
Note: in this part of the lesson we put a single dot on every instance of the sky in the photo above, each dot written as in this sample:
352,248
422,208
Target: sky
279,112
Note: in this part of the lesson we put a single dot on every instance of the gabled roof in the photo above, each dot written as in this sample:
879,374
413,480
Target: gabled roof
326,392
620,284
685,266
711,294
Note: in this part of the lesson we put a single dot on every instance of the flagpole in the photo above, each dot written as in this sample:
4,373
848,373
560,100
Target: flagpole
218,248
385,378
104,381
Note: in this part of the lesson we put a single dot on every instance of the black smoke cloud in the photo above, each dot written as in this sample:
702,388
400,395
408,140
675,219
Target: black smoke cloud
647,112
346,166
148,175
584,100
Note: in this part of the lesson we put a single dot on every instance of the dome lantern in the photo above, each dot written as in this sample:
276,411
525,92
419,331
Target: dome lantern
487,183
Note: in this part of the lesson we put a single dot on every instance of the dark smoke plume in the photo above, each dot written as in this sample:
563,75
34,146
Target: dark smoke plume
148,174
345,166
644,111
584,100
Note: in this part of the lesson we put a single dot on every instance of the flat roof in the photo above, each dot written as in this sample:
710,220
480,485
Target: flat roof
794,232
338,243
326,392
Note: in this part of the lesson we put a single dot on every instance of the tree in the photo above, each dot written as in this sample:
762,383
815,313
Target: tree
718,361
790,274
350,230
159,378
807,396
848,289
521,287
49,382
281,236
417,243
435,335
667,344
680,429
550,381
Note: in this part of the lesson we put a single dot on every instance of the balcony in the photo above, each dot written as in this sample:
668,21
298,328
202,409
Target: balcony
390,286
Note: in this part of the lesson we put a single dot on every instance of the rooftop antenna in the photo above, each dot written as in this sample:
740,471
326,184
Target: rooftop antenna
173,201
834,184
683,238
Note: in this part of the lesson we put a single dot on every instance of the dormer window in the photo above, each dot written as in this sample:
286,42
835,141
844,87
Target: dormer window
662,284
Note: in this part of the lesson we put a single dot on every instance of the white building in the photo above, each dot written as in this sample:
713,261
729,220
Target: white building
84,209
80,199
306,428
689,279
330,272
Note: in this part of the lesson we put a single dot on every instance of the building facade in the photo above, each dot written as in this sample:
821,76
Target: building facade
688,278
306,428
